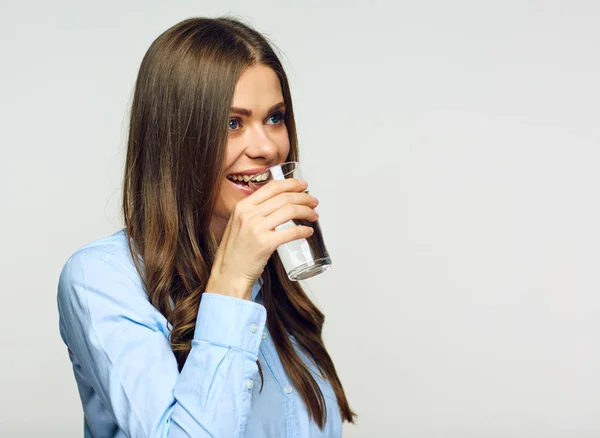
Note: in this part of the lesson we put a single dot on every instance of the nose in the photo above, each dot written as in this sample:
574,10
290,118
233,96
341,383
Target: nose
260,144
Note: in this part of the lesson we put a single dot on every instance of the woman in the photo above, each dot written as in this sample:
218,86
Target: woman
184,323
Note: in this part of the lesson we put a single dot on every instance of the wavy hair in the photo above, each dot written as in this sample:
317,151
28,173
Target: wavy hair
175,155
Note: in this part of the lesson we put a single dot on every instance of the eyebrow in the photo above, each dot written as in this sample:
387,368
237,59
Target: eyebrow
248,113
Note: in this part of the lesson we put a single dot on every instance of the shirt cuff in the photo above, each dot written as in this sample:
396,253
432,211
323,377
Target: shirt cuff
230,321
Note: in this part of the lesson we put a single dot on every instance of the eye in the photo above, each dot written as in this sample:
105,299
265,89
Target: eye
234,124
276,118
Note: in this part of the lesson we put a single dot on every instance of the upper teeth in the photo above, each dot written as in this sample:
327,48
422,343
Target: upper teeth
246,178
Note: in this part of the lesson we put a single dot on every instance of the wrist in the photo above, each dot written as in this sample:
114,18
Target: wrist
221,284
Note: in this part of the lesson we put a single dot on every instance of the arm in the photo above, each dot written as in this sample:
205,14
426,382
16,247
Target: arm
115,333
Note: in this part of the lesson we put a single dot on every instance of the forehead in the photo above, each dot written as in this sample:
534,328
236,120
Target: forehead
257,89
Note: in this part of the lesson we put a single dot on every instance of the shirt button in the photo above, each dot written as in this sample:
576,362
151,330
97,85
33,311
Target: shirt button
287,389
249,384
253,328
264,335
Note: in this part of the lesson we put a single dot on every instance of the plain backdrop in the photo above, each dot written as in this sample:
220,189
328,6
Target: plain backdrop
454,147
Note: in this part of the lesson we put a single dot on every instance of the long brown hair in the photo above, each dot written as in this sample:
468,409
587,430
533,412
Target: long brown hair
177,139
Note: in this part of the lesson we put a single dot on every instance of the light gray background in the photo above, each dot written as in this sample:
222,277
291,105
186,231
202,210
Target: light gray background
455,150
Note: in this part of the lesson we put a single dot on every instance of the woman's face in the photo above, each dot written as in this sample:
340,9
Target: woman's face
258,137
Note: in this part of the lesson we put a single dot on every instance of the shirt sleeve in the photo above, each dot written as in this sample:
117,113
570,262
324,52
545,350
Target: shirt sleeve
116,335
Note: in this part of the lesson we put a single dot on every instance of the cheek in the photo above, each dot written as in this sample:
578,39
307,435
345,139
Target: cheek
230,155
284,144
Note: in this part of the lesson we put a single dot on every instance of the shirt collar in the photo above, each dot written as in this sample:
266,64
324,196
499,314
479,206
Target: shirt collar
257,290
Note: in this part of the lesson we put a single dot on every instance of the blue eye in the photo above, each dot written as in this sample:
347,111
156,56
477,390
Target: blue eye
278,118
233,124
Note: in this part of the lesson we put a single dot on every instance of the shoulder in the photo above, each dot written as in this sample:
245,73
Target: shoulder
101,272
108,255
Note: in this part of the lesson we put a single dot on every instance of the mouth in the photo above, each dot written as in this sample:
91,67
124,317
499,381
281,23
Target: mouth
243,180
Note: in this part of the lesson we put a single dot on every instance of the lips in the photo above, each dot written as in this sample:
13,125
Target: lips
250,172
260,173
241,186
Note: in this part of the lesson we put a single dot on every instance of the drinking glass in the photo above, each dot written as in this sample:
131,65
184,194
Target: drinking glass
302,258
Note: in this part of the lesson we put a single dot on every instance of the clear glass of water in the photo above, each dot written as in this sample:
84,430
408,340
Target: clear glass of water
302,258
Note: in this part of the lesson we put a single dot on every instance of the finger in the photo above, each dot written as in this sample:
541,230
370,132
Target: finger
279,201
287,213
275,187
286,235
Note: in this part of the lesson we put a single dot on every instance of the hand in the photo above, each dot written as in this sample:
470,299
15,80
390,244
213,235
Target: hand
250,236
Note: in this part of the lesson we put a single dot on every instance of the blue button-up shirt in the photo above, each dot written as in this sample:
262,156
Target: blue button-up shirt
127,374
